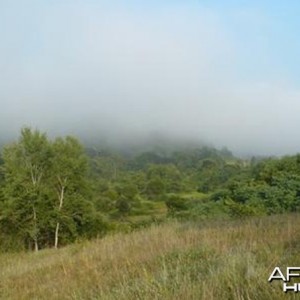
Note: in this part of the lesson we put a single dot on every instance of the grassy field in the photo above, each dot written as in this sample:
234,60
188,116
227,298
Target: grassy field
221,260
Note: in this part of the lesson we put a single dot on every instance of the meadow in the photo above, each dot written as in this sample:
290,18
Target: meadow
230,259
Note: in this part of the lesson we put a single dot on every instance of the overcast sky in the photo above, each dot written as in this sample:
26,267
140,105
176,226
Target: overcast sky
222,71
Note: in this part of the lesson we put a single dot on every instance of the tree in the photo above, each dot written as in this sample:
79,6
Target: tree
25,167
43,189
155,187
68,170
168,174
176,203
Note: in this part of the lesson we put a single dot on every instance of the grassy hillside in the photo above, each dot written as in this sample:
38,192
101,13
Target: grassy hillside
230,260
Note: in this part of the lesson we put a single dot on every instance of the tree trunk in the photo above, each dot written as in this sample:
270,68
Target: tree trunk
36,245
61,201
35,239
56,235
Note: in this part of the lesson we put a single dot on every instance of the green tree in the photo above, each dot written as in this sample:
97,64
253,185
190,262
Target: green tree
68,171
26,164
155,187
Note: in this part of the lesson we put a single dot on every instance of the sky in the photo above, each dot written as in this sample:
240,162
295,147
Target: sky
225,72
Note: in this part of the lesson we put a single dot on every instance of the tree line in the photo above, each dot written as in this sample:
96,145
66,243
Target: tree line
56,191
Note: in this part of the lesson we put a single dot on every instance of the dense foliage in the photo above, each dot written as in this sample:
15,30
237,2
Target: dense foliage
54,192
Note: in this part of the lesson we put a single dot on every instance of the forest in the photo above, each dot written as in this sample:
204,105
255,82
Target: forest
57,191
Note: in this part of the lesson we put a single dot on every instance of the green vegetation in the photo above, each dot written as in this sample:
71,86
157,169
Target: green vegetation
196,223
54,192
44,193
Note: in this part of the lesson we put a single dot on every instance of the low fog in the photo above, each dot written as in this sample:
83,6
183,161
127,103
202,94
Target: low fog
103,69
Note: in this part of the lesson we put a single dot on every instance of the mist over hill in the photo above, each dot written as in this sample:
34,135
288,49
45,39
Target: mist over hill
191,71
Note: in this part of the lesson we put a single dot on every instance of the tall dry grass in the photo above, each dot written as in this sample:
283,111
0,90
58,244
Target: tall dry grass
221,260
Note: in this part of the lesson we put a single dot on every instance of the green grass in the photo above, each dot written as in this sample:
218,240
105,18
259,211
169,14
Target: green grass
216,260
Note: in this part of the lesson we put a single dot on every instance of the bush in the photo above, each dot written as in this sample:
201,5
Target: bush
176,203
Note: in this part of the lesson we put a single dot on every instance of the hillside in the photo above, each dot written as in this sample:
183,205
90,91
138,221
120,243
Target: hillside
216,260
